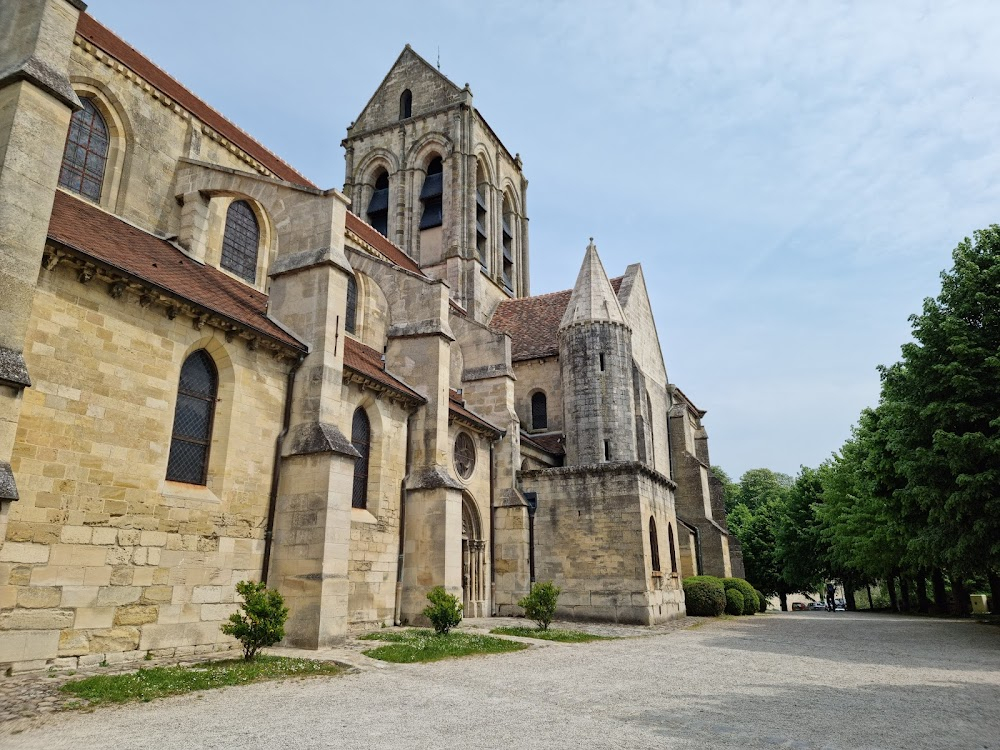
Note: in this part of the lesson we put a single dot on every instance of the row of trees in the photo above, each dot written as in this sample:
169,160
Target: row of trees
913,497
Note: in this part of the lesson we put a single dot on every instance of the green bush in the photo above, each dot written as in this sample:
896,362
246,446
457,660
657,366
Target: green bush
734,602
261,619
540,604
761,600
444,611
704,596
750,603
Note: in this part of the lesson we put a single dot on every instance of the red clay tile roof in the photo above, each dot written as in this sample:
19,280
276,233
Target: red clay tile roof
90,231
369,234
533,322
101,36
549,443
368,362
457,407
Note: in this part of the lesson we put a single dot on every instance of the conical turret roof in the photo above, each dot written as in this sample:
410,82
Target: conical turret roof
593,298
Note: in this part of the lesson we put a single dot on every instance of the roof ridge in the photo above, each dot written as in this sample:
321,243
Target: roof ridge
551,294
87,17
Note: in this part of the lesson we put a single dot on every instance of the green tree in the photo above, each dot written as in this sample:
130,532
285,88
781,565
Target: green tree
800,550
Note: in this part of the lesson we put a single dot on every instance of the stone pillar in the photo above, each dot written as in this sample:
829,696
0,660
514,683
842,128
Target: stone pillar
311,544
36,103
419,353
194,224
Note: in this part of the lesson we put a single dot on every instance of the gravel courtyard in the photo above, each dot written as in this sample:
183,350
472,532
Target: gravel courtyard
794,680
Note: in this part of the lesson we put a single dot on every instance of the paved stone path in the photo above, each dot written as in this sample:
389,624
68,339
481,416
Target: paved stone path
797,680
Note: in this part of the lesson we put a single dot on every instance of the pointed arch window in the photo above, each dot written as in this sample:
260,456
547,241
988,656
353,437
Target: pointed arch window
654,545
86,155
673,549
240,242
351,318
539,411
378,206
361,440
482,217
193,418
431,195
508,243
405,104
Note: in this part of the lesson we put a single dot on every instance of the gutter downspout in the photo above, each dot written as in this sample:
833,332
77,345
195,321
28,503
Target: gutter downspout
276,469
402,524
493,541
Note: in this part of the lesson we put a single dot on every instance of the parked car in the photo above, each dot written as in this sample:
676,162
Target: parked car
817,605
798,606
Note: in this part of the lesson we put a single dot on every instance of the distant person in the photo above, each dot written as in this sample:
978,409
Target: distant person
831,594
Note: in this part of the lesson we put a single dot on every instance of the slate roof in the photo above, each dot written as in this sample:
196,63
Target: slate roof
115,243
102,37
549,443
368,362
533,322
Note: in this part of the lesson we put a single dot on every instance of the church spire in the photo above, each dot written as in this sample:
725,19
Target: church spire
593,298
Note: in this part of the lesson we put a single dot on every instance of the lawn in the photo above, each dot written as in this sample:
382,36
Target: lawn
563,636
158,682
416,645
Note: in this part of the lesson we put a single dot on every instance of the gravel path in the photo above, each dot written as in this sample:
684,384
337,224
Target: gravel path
797,680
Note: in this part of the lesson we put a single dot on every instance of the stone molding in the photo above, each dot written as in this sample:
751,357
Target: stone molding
13,370
613,467
8,488
45,77
318,437
431,478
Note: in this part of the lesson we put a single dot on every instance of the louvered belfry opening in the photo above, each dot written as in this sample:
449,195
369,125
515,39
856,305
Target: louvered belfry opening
431,195
361,440
378,206
193,418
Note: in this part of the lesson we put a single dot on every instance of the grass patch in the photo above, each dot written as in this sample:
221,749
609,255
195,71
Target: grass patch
563,636
415,645
158,682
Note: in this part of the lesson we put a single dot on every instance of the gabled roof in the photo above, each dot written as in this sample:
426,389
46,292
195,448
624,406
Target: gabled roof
87,230
533,322
100,36
368,362
552,443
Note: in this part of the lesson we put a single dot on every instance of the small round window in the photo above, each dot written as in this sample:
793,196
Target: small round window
465,455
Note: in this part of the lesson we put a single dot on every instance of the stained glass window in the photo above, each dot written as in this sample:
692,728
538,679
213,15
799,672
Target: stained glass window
193,416
465,455
361,440
241,240
86,154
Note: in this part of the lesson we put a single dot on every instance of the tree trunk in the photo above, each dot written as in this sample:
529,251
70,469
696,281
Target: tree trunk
922,603
940,592
890,584
961,595
994,579
852,605
784,601
904,594
871,604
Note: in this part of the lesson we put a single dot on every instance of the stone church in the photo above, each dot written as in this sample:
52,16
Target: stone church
213,370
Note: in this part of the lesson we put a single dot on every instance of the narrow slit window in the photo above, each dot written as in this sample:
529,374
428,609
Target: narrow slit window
600,361
507,231
86,154
482,217
405,104
431,195
351,316
654,545
361,440
673,549
607,450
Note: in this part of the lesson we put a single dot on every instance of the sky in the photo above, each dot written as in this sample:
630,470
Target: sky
792,176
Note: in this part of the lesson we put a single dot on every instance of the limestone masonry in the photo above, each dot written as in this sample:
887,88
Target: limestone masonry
212,370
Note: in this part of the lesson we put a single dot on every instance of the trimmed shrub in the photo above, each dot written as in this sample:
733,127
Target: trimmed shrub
261,619
704,596
444,611
762,601
734,602
750,603
540,604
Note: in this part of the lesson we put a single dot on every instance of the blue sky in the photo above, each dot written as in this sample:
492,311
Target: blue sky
791,175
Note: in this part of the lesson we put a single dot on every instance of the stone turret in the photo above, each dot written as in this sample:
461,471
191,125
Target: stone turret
595,355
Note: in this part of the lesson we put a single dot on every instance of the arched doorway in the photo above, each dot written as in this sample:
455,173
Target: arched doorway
473,561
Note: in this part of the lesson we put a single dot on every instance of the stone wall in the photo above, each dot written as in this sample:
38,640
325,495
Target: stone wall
592,540
102,554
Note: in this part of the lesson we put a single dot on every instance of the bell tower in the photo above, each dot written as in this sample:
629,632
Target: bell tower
425,169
